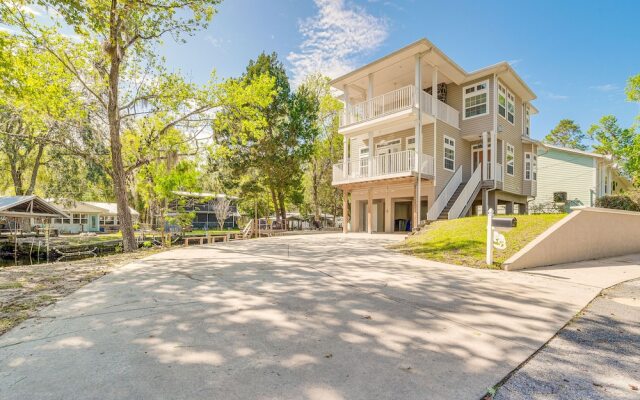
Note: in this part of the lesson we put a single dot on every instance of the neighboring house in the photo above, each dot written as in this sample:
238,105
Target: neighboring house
90,216
570,178
202,204
415,116
22,213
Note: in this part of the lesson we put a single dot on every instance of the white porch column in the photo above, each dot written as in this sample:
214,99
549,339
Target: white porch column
485,144
370,211
418,134
434,111
347,105
345,211
494,156
345,157
371,155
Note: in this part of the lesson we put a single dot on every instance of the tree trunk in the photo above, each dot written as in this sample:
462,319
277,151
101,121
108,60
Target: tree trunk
275,204
16,176
113,113
283,211
316,205
34,171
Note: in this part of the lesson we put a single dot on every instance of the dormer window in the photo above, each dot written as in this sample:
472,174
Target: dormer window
475,100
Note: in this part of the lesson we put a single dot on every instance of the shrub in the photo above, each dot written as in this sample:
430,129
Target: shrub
618,202
547,208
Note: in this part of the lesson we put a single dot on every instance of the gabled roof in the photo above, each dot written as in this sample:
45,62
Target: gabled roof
109,208
452,70
206,195
29,207
574,151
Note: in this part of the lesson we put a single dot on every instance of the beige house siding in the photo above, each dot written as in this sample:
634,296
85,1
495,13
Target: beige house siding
474,125
512,134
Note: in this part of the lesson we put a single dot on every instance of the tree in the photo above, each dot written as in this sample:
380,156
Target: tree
273,142
566,134
633,89
326,149
222,209
37,105
611,139
114,61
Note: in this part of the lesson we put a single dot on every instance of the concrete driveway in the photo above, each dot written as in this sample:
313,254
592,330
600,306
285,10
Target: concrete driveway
319,317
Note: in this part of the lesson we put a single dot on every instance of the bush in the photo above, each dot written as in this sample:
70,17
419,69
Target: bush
618,202
547,208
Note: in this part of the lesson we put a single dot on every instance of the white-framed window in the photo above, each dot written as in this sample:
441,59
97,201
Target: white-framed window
449,153
527,120
364,152
502,101
410,143
530,167
506,104
475,101
527,166
510,159
511,108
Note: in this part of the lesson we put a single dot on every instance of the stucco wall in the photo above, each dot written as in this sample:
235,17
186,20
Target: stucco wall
585,234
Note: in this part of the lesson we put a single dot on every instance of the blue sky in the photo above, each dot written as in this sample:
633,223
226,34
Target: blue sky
576,55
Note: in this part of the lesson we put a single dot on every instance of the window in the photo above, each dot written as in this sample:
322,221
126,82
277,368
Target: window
527,120
510,159
475,99
411,143
535,167
449,153
506,104
502,101
527,166
364,152
511,108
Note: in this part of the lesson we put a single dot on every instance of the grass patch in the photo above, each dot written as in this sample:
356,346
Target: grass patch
10,285
463,241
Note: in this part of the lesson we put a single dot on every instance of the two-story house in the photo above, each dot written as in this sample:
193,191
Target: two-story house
570,178
418,129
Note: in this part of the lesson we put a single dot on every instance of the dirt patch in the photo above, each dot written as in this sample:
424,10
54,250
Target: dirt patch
25,289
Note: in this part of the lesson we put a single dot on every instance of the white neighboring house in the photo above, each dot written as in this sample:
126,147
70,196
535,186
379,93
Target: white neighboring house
90,216
573,178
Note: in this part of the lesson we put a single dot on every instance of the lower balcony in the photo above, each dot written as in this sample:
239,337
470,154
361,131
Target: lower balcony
384,166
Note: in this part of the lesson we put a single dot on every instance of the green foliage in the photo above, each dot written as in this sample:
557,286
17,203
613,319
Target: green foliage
618,202
610,138
633,88
566,134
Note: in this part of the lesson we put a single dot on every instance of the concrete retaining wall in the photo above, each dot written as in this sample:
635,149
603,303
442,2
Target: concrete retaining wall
585,234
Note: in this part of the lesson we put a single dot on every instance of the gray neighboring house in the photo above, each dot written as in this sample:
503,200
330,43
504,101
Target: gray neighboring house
573,178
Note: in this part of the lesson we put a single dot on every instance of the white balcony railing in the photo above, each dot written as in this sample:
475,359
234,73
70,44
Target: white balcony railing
445,112
379,106
395,101
381,166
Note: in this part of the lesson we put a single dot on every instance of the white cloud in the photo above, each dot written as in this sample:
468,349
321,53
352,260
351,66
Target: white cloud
555,96
216,42
334,38
608,87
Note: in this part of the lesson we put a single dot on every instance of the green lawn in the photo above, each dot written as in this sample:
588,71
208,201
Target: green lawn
463,241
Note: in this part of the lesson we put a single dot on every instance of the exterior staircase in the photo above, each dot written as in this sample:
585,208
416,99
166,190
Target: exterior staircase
445,211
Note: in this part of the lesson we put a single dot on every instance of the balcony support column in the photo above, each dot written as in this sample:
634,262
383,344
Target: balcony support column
345,211
494,157
370,211
418,135
434,111
371,155
347,105
345,157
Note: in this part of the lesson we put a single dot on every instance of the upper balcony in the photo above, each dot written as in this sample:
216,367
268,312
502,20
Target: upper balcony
384,166
396,105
